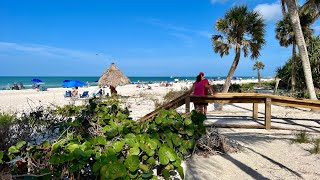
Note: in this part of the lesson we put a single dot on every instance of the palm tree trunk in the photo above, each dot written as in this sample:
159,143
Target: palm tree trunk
294,16
233,68
293,67
259,77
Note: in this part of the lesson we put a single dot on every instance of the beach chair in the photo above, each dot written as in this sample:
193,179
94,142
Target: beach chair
85,94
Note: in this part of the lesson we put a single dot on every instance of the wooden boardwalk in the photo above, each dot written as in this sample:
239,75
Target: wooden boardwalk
254,98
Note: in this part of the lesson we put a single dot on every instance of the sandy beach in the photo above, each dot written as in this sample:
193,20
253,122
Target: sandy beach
266,154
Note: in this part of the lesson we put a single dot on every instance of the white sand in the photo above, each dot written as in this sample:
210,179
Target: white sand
266,154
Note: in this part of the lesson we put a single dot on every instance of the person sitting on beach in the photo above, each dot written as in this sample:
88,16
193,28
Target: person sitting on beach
198,89
74,92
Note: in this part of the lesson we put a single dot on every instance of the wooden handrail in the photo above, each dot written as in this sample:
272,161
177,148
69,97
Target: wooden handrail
254,98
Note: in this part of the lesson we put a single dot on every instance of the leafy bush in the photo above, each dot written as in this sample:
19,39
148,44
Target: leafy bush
236,88
6,121
102,139
284,72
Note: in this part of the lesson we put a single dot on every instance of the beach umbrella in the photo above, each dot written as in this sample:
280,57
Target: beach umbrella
113,76
73,83
36,80
66,81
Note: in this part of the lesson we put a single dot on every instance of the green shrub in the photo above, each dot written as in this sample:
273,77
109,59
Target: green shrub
316,147
301,137
103,142
6,120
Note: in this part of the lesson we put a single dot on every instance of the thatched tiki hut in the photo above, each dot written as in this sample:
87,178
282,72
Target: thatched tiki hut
113,77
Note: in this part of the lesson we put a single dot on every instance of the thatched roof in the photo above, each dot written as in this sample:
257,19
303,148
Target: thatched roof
113,76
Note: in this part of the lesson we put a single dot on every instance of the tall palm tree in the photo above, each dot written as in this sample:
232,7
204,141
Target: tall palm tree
242,30
286,37
291,7
257,66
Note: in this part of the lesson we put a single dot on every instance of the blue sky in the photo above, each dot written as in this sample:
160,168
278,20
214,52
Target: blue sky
143,37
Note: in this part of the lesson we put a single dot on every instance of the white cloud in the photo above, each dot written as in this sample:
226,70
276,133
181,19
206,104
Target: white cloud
218,1
47,51
270,12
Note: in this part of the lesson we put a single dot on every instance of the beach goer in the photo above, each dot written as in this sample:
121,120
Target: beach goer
74,92
199,88
206,82
113,90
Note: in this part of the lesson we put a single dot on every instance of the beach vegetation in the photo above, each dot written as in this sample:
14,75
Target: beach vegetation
285,72
240,29
102,141
301,137
236,88
173,94
291,8
258,66
316,146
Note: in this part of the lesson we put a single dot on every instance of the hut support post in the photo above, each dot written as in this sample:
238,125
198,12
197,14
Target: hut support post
267,120
255,111
187,102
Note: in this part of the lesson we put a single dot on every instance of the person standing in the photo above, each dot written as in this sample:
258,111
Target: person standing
198,89
207,87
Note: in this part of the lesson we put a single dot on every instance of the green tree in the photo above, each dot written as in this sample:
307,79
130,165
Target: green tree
258,66
242,30
286,37
290,6
284,72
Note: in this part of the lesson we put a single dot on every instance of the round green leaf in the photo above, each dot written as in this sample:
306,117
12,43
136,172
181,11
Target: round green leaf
117,146
101,140
55,159
151,161
96,166
132,163
187,121
116,170
166,174
72,147
20,144
134,151
144,167
13,150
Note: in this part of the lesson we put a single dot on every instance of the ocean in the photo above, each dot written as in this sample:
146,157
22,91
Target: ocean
53,82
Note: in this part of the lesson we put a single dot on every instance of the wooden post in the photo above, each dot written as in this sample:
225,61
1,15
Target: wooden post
255,111
267,121
187,102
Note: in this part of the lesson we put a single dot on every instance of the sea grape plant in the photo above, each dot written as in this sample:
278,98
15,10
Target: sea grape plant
102,141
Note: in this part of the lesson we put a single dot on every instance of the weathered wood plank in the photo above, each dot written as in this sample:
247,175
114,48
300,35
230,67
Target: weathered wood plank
267,120
255,111
187,101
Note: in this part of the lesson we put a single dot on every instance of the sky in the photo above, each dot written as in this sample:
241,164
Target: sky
143,37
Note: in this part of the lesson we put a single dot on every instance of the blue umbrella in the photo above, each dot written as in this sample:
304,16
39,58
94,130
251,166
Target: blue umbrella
66,81
96,80
73,83
36,80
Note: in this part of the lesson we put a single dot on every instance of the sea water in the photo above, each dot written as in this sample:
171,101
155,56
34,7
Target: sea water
53,82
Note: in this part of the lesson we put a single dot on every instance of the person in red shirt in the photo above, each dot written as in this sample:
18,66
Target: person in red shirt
207,84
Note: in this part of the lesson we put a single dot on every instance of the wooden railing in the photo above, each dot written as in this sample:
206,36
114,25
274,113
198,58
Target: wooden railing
254,98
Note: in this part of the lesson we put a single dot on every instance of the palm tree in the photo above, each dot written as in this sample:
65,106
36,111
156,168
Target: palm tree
286,37
291,7
257,66
242,30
